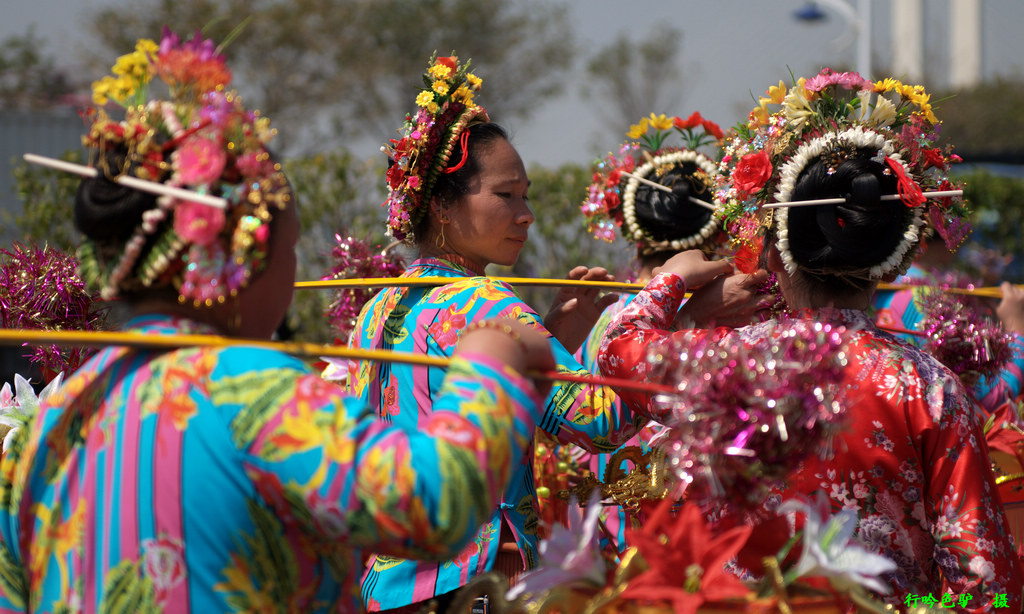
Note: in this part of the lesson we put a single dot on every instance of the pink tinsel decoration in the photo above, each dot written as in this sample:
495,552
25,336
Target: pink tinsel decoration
40,289
960,338
748,409
355,258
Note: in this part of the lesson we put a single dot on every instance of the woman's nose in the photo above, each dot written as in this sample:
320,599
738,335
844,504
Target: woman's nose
525,215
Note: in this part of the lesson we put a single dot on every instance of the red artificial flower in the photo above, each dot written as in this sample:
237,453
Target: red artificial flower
747,256
752,172
614,178
712,128
692,121
934,157
686,562
449,61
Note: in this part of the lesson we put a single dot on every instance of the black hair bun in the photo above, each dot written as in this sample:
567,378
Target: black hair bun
106,210
862,232
668,216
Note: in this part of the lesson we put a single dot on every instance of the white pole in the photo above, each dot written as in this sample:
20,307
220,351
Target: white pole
864,39
908,40
964,43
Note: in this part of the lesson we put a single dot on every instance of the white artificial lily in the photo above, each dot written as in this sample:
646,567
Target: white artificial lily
831,551
567,556
18,408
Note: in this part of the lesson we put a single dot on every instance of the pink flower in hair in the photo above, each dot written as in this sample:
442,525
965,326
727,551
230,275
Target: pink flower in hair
254,164
846,80
198,223
199,161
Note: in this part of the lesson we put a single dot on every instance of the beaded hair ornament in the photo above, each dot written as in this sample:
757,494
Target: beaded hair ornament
445,109
645,164
834,117
201,140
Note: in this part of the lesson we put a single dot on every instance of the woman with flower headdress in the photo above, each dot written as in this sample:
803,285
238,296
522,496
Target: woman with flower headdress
213,479
458,193
911,459
660,197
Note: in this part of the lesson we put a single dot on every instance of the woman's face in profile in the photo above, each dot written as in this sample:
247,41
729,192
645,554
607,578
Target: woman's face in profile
490,223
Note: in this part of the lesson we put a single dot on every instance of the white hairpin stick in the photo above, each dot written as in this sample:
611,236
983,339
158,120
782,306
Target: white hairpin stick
132,182
839,201
665,188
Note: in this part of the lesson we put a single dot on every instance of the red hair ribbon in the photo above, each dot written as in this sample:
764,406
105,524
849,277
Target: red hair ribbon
910,192
464,142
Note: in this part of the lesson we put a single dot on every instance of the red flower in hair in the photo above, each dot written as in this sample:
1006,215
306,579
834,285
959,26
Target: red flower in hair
712,128
934,157
614,177
752,172
449,61
690,122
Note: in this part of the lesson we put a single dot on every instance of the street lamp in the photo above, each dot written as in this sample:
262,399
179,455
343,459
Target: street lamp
859,22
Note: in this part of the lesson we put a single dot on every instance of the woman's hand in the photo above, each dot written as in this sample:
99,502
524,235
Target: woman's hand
1011,308
694,267
576,309
728,300
513,343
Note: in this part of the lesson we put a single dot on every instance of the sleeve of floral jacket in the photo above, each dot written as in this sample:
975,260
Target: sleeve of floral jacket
405,490
645,320
213,480
429,322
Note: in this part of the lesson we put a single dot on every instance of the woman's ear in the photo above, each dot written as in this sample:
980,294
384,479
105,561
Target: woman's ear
436,206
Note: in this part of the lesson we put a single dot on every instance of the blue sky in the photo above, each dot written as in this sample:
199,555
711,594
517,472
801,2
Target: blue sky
730,48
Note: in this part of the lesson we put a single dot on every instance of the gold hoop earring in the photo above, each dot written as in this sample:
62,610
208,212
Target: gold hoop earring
439,240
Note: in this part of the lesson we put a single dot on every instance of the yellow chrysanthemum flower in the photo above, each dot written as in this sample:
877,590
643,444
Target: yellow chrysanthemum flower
424,99
638,130
146,46
440,87
440,71
887,85
464,95
776,93
474,81
926,111
101,90
432,107
660,122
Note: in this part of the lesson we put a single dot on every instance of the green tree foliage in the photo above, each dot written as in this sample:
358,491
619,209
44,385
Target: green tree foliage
337,194
28,78
985,122
998,204
347,68
46,196
636,78
559,239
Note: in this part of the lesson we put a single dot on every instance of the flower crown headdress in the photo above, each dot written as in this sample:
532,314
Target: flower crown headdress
200,141
832,117
445,109
646,163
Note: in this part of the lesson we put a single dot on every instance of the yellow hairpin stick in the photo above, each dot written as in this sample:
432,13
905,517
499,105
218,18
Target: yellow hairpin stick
414,282
295,348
